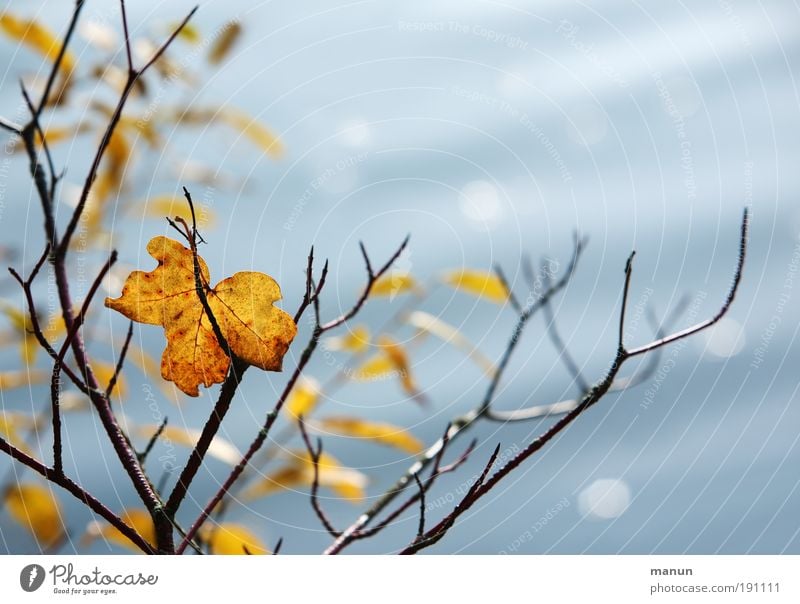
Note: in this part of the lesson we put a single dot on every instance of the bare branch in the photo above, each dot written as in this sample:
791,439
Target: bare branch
315,454
79,492
512,299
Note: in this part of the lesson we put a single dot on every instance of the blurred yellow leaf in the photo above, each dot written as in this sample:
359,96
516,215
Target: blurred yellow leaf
251,129
219,448
104,372
345,482
171,206
37,37
232,539
188,32
393,284
356,340
427,323
223,43
10,426
36,509
20,321
258,134
144,126
478,283
16,379
137,519
374,368
303,397
382,433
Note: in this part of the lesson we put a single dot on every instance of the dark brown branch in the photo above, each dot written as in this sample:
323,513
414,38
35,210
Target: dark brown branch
94,504
127,35
512,299
314,455
309,293
737,277
48,87
142,457
372,277
305,356
116,115
561,347
229,386
427,538
592,397
120,362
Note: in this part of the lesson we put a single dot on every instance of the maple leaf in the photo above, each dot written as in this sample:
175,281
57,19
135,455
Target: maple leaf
257,332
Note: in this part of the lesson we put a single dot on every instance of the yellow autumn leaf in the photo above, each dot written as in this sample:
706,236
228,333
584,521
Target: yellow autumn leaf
10,426
393,284
379,432
231,539
376,367
223,43
258,134
171,206
427,323
303,397
38,37
35,508
138,519
251,129
55,135
144,126
219,448
188,32
355,340
256,331
299,471
478,283
16,379
23,327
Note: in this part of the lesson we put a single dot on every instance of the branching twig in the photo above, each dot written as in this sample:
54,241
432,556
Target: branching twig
305,356
484,485
314,454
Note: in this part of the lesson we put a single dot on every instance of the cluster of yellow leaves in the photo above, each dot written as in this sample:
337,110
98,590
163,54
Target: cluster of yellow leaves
221,539
36,508
116,169
256,331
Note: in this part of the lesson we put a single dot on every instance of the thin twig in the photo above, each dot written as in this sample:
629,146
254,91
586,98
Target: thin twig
305,356
152,442
314,455
79,492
